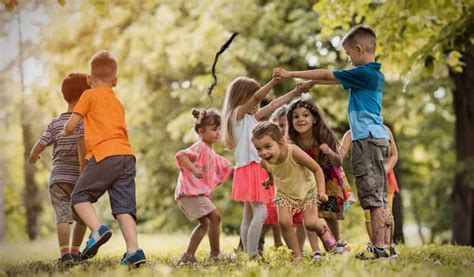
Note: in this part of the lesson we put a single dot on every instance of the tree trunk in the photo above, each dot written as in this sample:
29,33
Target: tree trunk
2,207
31,197
463,190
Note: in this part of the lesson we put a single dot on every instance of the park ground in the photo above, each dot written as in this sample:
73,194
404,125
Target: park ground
163,250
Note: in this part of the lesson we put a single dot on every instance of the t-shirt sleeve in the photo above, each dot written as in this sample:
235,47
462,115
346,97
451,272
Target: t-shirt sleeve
83,105
192,153
47,138
356,77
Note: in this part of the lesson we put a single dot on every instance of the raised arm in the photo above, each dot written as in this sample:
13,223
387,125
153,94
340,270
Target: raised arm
305,160
71,125
256,99
280,101
346,144
320,76
35,152
393,158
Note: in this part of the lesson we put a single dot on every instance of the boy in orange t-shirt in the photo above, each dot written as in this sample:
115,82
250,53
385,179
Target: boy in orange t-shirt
110,160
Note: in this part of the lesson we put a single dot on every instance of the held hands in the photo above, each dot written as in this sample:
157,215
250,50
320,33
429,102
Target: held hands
268,183
281,73
307,85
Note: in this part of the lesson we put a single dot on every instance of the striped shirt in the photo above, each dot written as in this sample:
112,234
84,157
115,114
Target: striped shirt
65,167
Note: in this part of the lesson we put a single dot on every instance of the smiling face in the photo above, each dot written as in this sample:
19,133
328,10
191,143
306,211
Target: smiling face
302,120
210,134
268,149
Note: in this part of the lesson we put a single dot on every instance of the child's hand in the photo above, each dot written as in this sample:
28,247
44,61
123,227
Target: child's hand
325,149
198,173
323,197
307,85
33,158
281,73
299,89
268,183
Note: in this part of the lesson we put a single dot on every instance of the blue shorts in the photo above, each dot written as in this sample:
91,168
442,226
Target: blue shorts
115,175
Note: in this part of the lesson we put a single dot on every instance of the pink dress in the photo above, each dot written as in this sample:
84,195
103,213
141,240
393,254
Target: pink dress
214,167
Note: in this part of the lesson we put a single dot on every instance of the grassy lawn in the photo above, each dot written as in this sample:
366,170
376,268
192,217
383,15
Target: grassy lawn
38,259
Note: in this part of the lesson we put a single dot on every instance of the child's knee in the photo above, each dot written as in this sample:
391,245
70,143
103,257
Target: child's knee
215,216
204,222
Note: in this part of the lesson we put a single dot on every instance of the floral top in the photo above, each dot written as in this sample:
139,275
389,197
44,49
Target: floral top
215,168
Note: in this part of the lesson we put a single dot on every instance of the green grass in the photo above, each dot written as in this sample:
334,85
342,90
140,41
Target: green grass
38,259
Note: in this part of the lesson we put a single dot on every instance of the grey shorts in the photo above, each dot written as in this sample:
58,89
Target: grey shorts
115,175
368,162
60,195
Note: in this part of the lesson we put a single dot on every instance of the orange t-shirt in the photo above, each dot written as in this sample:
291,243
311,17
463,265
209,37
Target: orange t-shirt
105,133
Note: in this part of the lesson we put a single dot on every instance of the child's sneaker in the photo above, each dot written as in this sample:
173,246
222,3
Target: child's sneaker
65,261
95,241
135,259
371,253
317,256
393,252
340,247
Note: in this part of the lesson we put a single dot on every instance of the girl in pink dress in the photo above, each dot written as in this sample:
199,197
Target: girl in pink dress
241,112
201,171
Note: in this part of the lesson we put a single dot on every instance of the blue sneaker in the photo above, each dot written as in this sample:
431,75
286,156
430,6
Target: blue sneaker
136,259
94,242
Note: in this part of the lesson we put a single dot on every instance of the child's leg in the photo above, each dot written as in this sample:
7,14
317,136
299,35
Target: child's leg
87,213
391,228
300,234
129,231
312,223
333,225
259,211
368,224
214,232
78,232
244,227
379,226
313,240
285,218
277,235
63,237
197,235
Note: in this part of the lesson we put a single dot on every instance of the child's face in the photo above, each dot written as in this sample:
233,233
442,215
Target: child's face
282,124
210,134
354,53
302,120
268,149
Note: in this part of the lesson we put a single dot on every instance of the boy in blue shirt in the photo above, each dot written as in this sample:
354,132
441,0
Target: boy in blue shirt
370,140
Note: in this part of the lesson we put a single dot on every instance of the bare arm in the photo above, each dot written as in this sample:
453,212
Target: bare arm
81,153
269,182
346,144
305,160
186,162
318,75
34,154
334,157
393,158
255,99
71,125
280,101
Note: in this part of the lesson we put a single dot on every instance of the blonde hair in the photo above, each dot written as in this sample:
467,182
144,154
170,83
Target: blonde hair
238,92
267,128
103,66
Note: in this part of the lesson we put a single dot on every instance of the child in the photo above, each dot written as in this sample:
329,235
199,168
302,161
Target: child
110,161
392,188
299,181
201,171
67,164
365,83
241,113
309,131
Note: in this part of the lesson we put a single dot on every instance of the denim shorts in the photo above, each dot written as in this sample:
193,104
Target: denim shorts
115,175
368,162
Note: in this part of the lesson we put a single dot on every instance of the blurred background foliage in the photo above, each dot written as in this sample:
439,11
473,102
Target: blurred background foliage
165,51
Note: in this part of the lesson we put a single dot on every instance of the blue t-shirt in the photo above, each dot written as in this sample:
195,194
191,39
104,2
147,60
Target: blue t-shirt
365,84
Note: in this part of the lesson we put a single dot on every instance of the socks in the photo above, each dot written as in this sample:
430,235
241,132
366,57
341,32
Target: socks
64,249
